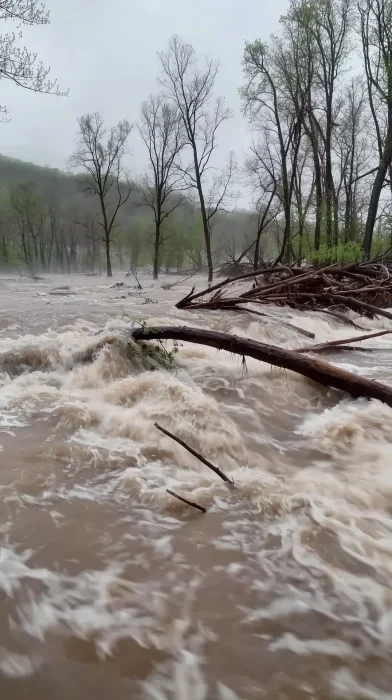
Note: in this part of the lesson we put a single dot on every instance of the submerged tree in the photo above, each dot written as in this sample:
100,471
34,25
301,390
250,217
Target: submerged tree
162,132
191,89
100,152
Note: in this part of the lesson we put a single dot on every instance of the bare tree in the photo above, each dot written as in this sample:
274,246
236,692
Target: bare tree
191,89
162,132
265,100
260,169
376,36
100,152
296,58
304,186
353,153
220,194
330,25
19,64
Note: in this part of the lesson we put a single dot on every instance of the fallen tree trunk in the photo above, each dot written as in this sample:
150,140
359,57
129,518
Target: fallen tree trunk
314,368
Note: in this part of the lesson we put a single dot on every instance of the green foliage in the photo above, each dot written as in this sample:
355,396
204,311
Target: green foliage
173,248
153,356
343,253
194,243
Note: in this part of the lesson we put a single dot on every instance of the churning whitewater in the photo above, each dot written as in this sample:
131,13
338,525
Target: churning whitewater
109,585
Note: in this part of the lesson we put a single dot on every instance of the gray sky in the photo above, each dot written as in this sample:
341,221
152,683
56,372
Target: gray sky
106,54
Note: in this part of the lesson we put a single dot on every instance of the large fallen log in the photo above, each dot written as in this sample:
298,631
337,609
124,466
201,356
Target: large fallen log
314,368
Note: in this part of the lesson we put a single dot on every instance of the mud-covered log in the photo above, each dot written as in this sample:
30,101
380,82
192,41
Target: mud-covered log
311,367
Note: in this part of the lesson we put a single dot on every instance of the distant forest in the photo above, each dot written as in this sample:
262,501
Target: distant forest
318,100
49,223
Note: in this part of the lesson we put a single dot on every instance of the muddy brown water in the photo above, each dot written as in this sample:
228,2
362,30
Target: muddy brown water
111,588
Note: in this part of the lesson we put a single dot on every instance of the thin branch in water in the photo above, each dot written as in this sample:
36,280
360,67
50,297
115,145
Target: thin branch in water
344,341
136,278
196,454
189,503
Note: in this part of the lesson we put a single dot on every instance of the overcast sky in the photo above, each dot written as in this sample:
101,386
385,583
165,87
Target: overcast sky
106,54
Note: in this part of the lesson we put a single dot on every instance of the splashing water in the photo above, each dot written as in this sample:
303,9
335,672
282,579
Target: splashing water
109,585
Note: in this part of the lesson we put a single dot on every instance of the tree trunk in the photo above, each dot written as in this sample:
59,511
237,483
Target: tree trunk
4,248
328,177
156,249
207,237
108,261
206,229
257,251
377,187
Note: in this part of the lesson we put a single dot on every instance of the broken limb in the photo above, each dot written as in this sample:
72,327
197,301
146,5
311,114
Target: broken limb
255,273
344,341
189,503
347,301
196,454
314,368
340,317
275,319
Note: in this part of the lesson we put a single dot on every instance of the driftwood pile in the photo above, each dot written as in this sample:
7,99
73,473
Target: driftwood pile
365,288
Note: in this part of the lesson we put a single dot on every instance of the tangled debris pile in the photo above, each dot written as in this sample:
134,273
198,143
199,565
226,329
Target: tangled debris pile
363,287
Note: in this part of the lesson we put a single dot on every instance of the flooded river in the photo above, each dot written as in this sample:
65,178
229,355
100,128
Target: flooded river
110,587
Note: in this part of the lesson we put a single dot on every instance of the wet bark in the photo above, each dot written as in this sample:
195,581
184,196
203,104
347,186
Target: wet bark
311,367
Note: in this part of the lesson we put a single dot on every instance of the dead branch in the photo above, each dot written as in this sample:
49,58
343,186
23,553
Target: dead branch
287,324
189,503
166,287
132,272
255,273
32,276
194,453
345,341
356,304
366,288
342,317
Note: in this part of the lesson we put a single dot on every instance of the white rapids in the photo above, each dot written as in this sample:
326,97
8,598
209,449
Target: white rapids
108,585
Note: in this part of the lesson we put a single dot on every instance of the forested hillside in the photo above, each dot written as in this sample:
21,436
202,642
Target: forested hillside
48,222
